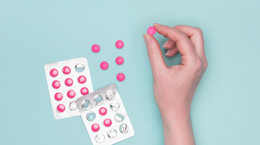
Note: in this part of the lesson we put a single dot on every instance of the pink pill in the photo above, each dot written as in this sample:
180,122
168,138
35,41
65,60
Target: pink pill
119,60
95,127
58,96
68,82
82,79
103,111
71,94
120,77
95,48
54,72
104,65
151,31
107,122
66,70
55,84
119,44
60,107
84,91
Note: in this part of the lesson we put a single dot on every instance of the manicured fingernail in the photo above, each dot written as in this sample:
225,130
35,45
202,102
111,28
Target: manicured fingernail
146,38
156,24
167,52
166,43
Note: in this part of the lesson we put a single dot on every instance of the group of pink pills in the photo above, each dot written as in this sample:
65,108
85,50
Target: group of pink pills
68,82
104,65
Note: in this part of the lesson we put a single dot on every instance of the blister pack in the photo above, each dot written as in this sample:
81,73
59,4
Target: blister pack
104,116
67,81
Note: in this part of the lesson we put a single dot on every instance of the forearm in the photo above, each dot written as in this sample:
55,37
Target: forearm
177,130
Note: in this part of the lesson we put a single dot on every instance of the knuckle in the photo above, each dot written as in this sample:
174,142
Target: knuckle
205,65
198,30
198,65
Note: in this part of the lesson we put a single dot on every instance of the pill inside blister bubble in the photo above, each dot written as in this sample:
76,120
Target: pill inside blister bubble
110,95
86,104
119,117
112,133
123,128
91,116
73,106
114,106
100,138
98,100
79,67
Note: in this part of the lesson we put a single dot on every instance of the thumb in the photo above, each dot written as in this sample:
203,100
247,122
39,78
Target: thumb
154,53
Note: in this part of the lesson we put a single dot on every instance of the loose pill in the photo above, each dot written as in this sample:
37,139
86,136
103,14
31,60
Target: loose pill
120,77
60,107
95,48
95,127
82,79
68,82
103,111
58,96
84,91
66,70
107,122
151,31
55,84
54,72
71,94
119,60
104,65
119,44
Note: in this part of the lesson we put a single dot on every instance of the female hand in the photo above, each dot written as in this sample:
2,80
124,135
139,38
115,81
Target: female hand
175,86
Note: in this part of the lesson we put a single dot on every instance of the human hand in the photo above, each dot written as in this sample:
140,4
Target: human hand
175,86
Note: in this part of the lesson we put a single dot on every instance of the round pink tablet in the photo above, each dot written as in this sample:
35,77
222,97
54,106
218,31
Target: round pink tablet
54,72
82,79
107,122
66,70
120,77
84,91
71,94
55,84
119,60
119,44
95,127
151,31
103,111
60,107
95,48
104,65
68,82
58,96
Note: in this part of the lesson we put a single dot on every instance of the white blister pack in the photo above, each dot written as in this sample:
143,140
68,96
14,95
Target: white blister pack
104,116
67,81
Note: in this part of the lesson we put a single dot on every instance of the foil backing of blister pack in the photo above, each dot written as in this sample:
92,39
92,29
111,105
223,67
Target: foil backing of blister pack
121,127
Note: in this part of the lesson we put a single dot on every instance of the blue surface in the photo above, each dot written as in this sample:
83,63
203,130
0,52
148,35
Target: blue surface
226,106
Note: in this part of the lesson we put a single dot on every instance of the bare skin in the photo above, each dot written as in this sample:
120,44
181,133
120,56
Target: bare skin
174,86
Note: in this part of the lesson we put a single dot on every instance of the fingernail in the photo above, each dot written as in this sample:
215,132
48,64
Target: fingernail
156,24
166,43
146,38
167,53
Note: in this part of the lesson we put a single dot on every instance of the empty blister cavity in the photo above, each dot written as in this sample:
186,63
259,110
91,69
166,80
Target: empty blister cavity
73,106
123,128
110,95
98,100
91,116
112,133
119,117
114,106
100,138
86,105
79,67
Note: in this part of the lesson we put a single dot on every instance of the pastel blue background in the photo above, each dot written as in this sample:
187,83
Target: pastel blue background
225,109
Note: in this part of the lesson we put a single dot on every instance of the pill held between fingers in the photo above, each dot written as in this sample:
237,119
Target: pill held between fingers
71,94
120,77
68,82
119,60
60,107
56,84
58,96
151,31
104,65
54,72
66,70
95,48
119,44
